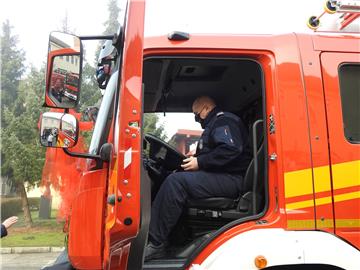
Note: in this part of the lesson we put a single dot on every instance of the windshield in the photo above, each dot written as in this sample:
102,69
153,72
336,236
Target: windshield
178,129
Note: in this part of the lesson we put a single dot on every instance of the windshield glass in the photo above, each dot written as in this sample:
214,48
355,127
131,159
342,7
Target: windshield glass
178,129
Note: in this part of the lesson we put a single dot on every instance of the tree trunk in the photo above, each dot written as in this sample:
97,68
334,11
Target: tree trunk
25,205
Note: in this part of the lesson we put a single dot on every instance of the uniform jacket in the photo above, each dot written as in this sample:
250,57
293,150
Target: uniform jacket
224,144
3,231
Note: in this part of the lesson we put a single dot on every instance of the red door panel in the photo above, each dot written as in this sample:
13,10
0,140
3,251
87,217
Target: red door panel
342,117
123,218
87,222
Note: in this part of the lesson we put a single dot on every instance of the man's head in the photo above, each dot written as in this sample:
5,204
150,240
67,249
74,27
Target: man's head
202,106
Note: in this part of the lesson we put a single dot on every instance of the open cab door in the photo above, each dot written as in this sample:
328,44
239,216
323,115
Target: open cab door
107,228
125,229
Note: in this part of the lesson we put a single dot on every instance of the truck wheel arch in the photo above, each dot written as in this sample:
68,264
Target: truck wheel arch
283,248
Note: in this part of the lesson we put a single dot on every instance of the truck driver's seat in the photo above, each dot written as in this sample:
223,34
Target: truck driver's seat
250,202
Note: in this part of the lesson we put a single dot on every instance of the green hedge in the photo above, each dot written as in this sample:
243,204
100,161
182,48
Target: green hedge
13,206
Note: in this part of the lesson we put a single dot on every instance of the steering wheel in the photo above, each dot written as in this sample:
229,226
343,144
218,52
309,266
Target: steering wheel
163,154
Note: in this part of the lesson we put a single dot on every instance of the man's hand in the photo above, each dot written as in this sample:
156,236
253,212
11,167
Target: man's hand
190,164
10,221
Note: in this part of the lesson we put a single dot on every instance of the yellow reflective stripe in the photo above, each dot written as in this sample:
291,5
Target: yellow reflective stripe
299,205
347,196
322,201
346,174
347,223
322,179
325,223
308,203
301,224
298,183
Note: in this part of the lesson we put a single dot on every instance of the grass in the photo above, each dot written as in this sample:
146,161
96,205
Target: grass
44,232
37,239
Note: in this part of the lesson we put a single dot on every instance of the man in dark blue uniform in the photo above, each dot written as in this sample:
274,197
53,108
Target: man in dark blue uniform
216,170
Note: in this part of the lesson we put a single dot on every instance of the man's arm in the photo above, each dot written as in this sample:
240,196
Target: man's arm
7,224
3,231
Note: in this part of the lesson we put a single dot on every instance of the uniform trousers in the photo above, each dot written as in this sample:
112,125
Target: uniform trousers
182,186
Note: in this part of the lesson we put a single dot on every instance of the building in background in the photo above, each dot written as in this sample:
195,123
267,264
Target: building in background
185,140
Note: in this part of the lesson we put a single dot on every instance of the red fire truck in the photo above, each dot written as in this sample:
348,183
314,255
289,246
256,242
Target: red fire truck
299,94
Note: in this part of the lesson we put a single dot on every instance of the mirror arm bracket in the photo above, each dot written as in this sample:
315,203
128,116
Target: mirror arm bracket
82,155
107,37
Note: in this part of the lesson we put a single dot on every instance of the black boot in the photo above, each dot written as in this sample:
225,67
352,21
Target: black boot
154,252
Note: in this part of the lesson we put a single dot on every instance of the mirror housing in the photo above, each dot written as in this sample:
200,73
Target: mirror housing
58,130
64,66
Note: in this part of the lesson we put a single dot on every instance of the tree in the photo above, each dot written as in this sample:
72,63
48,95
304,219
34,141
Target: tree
90,93
112,24
90,96
151,125
22,156
65,25
12,67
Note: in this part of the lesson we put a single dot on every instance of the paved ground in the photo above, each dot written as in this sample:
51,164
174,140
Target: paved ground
33,261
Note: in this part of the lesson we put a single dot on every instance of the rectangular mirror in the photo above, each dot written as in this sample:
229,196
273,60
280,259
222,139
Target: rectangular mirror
64,90
63,71
58,130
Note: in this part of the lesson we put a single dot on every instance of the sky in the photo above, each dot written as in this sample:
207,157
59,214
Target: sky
33,20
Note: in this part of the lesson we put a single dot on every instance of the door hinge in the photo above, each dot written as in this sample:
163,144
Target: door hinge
273,156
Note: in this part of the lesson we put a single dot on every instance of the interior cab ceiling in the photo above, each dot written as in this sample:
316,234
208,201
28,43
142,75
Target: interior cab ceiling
172,84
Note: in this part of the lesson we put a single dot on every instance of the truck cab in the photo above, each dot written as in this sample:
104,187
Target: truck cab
298,95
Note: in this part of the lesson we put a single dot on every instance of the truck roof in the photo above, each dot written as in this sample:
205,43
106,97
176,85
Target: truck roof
333,41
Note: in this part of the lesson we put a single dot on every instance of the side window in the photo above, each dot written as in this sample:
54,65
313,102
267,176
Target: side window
349,76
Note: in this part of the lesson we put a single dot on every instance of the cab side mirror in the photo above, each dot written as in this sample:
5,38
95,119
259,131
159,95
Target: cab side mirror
63,71
58,130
